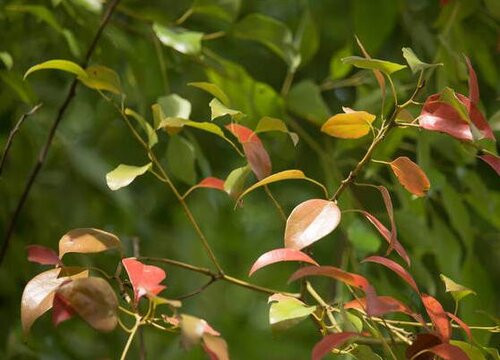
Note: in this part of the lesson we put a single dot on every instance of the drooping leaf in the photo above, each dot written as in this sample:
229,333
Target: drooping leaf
394,266
279,255
457,291
330,342
150,133
410,175
386,67
462,324
305,100
64,65
215,347
94,300
87,240
102,78
415,64
310,221
209,183
212,89
267,124
124,175
182,40
352,125
448,352
42,255
282,175
438,317
493,161
287,311
218,109
181,157
145,279
473,85
391,306
235,181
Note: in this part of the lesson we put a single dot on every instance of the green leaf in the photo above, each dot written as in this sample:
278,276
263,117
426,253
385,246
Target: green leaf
286,312
338,70
64,65
6,58
457,291
236,181
364,352
386,67
102,78
182,40
225,10
449,97
415,64
218,109
151,134
123,175
212,89
181,159
305,100
350,322
94,6
273,34
174,106
267,124
473,352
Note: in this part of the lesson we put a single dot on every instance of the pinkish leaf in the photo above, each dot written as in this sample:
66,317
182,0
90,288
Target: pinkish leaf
61,310
394,266
279,255
473,86
493,161
330,342
463,325
254,150
448,352
215,347
390,212
310,221
213,183
145,279
438,317
42,255
392,305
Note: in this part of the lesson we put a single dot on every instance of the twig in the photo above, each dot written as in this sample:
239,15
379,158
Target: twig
48,142
13,132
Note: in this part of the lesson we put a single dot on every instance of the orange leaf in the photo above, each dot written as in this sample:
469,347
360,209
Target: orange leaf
410,175
351,125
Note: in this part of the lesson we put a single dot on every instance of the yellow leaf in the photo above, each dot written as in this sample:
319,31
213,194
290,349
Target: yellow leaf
352,125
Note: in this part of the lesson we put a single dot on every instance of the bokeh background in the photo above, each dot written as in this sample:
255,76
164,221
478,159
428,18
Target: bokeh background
453,231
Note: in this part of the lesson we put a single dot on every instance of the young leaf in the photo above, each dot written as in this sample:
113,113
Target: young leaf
150,133
279,255
87,240
457,291
218,109
493,161
448,352
473,85
473,352
123,175
463,325
330,342
174,106
215,347
64,65
145,279
182,40
391,305
94,300
410,175
212,89
209,183
394,266
235,181
102,78
61,310
352,125
286,311
386,67
310,221
42,255
438,317
415,64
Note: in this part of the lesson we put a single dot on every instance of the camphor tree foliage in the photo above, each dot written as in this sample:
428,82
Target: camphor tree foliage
376,173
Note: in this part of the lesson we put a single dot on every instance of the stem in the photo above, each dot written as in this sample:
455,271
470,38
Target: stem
131,337
322,302
287,83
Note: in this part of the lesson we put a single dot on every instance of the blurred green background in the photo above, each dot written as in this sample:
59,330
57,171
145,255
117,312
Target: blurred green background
454,230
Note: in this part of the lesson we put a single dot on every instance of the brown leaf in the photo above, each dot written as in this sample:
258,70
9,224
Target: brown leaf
423,341
87,240
410,175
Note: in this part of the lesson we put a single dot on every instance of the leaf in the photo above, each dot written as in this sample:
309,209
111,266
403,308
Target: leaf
174,106
448,352
192,330
493,161
391,305
448,96
390,212
282,175
339,70
386,67
364,352
457,291
215,347
209,183
38,294
415,64
145,279
123,175
212,89
236,181
87,240
361,236
182,40
310,221
102,78
42,255
422,342
279,255
305,100
377,73
150,133
181,159
61,310
438,317
254,150
473,352
267,124
94,300
306,38
287,311
462,324
64,65
330,342
352,125
7,60
473,85
410,175
394,266
218,109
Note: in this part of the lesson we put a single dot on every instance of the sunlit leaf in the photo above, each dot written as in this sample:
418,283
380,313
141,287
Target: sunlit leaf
448,96
102,78
64,65
438,317
410,175
215,347
182,40
386,67
267,124
330,342
42,255
87,240
212,89
394,266
457,291
94,300
145,279
235,181
174,106
209,183
279,255
124,175
415,64
352,125
287,311
150,133
218,109
310,221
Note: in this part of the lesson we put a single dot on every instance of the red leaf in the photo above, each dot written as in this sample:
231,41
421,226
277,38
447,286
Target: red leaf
423,341
394,266
330,342
463,325
387,236
145,279
449,352
254,150
438,317
212,182
390,212
473,86
278,255
61,310
42,255
493,161
410,175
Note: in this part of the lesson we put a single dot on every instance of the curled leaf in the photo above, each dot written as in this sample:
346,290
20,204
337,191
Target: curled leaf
414,62
394,266
279,255
42,255
145,279
386,67
410,175
64,65
124,175
102,78
458,291
212,89
182,40
87,240
350,125
209,183
463,325
438,317
448,352
473,85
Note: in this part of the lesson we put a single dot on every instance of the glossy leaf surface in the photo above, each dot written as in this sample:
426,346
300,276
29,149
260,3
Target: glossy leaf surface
87,240
352,125
279,255
145,279
286,311
394,266
124,175
411,176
